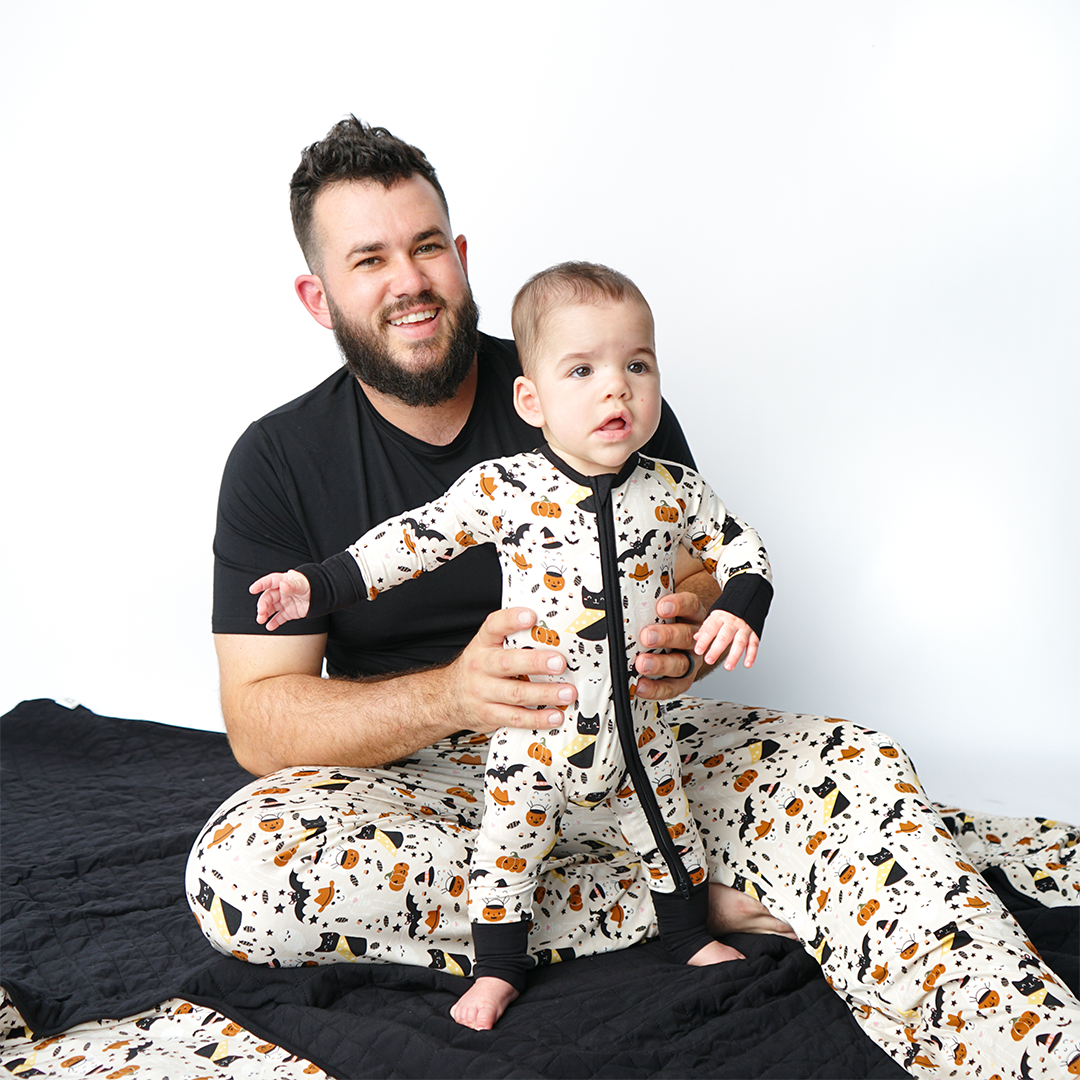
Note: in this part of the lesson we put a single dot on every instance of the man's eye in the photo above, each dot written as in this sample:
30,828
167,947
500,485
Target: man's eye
371,260
427,249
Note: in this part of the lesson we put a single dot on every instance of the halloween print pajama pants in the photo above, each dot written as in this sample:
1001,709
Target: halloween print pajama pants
823,820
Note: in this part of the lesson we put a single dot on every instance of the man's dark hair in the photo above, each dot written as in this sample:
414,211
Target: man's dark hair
351,150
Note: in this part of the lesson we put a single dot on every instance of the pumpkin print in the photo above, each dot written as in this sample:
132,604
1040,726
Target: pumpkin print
540,752
513,863
745,779
546,508
867,912
399,875
553,578
646,736
666,512
544,634
575,900
1023,1023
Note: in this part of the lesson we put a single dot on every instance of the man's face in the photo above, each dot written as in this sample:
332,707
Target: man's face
396,289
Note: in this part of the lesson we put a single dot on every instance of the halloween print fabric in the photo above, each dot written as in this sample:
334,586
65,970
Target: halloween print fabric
174,1041
823,820
543,519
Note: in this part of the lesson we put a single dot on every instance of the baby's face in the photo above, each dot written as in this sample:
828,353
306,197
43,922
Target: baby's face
595,388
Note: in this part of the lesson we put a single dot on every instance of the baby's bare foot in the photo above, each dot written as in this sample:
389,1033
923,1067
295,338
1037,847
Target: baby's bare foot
714,953
482,1005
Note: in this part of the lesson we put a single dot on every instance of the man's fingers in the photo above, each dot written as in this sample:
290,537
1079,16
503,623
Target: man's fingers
678,635
495,688
681,605
500,624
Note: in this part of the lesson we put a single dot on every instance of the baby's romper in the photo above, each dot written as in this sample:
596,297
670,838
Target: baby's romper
579,551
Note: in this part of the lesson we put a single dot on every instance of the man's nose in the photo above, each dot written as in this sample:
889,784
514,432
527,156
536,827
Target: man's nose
409,279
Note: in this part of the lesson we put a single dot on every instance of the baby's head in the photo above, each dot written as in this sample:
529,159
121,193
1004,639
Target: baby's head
585,337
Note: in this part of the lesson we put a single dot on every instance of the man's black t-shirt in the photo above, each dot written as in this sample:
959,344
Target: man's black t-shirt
306,480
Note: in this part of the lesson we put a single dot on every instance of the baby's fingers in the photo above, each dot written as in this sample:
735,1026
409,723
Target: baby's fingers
264,583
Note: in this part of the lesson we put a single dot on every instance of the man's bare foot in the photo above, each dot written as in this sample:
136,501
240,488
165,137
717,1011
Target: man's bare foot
483,1003
714,953
732,911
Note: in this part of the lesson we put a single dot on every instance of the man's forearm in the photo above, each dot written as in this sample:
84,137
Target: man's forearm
278,721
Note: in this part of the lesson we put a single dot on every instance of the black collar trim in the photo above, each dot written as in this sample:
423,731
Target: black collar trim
602,482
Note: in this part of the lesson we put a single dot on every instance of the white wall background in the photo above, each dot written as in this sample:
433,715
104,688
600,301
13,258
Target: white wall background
857,224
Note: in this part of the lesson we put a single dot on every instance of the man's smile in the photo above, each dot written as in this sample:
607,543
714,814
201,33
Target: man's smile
424,315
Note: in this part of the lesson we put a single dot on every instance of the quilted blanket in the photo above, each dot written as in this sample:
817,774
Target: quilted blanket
98,817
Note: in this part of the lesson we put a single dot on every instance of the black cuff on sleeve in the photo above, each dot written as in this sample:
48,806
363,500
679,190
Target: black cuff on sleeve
749,597
681,922
502,951
335,584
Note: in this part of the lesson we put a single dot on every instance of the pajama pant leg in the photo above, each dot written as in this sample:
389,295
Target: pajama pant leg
331,865
827,824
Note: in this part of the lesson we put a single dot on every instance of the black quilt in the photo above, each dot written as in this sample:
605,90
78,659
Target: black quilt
98,817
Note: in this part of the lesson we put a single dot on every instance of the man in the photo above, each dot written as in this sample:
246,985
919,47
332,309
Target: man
390,280
358,842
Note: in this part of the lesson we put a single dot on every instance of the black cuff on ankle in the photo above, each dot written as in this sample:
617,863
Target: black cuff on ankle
682,922
502,951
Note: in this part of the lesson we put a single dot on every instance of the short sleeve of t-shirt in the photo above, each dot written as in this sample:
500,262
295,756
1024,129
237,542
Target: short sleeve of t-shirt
306,480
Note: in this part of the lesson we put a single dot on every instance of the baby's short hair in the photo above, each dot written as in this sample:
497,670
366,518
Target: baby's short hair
560,286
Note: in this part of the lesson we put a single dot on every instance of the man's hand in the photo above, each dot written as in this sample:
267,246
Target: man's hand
670,675
489,685
284,597
723,632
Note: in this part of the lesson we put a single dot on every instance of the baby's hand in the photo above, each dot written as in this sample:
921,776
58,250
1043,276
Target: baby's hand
284,596
721,630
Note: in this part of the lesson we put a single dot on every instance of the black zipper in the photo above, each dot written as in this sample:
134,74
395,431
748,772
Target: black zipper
620,680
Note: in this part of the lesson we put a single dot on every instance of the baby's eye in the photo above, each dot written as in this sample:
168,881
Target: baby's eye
638,367
581,371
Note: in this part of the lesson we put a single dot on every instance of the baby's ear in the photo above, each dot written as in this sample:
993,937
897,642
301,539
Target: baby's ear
527,402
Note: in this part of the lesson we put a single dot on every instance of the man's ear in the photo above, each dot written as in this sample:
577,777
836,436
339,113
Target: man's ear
313,296
461,244
527,403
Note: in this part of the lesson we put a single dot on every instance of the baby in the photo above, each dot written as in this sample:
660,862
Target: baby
587,532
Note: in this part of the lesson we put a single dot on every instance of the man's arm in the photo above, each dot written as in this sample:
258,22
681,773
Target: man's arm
280,713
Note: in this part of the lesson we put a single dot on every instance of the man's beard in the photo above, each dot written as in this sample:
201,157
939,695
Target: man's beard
367,357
